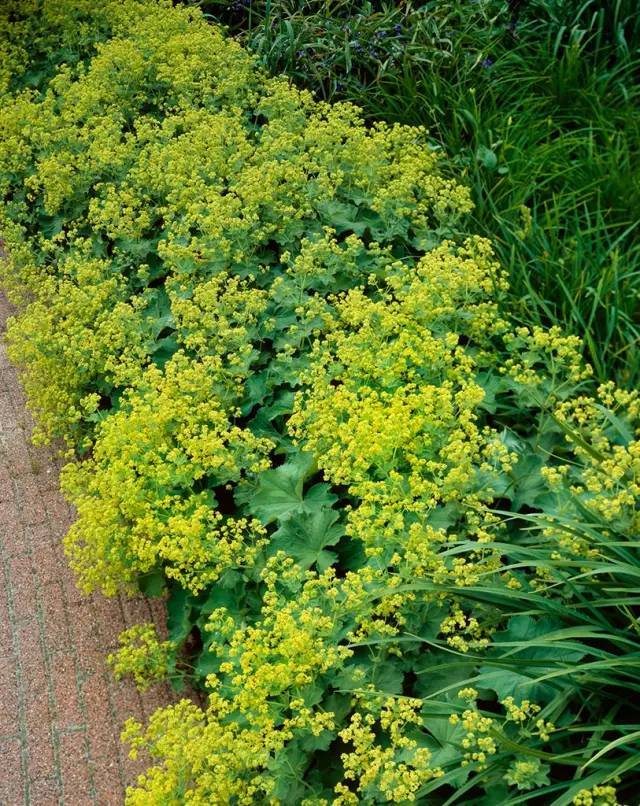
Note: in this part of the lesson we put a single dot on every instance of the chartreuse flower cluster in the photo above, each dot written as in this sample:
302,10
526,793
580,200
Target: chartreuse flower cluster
137,496
81,337
299,408
605,429
142,656
42,36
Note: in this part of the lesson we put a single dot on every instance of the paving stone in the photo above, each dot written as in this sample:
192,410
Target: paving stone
69,704
6,488
57,635
109,789
136,610
6,634
45,792
12,781
9,703
23,586
74,768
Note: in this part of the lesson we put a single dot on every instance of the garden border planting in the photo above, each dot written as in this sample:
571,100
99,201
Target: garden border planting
397,530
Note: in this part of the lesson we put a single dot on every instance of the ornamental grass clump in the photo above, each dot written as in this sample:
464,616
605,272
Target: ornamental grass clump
298,406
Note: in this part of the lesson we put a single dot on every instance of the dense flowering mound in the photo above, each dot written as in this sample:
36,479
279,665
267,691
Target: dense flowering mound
296,405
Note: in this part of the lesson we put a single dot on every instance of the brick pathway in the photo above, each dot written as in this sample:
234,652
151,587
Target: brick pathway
60,711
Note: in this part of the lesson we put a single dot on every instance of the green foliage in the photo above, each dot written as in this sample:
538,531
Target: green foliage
537,111
278,494
398,531
306,536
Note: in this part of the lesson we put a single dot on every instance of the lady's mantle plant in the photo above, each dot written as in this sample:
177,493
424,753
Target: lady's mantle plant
297,406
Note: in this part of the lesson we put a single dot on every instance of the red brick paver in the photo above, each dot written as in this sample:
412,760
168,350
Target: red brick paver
60,710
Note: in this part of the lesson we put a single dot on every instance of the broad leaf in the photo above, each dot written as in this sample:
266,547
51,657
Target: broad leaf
152,584
306,535
179,614
278,494
527,483
519,668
